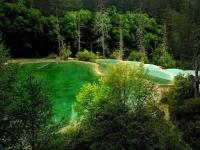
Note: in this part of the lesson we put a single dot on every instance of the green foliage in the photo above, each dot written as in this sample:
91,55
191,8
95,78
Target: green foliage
3,54
29,34
128,84
115,55
50,7
81,29
140,32
151,31
57,141
181,90
111,121
7,82
184,110
70,24
86,56
114,128
138,56
102,26
26,32
166,61
178,19
88,98
187,118
189,108
64,52
163,58
31,111
52,56
144,137
123,84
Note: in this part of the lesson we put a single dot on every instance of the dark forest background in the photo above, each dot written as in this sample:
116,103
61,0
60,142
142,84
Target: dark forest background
181,18
178,15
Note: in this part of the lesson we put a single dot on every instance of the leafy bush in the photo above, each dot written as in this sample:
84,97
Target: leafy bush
184,64
52,56
138,56
184,111
162,58
164,98
167,61
64,52
3,53
181,90
190,107
187,118
86,56
115,55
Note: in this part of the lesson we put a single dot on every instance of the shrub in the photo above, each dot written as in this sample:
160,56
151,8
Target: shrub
164,98
189,109
182,89
64,52
166,61
184,111
184,64
187,118
115,55
138,56
3,53
162,58
52,56
86,56
120,109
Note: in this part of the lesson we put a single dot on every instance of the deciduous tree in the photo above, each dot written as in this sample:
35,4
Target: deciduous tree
31,111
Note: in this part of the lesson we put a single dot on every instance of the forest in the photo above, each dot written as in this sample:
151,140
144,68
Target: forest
99,74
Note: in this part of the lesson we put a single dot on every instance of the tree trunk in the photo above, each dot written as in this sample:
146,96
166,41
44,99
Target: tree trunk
101,7
121,41
103,35
140,36
79,32
196,84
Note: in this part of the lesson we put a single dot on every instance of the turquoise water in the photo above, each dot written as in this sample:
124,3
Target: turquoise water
159,75
63,81
176,72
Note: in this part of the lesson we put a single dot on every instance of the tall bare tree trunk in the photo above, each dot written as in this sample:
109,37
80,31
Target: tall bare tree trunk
103,38
195,46
121,40
196,84
79,32
101,7
140,36
58,31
